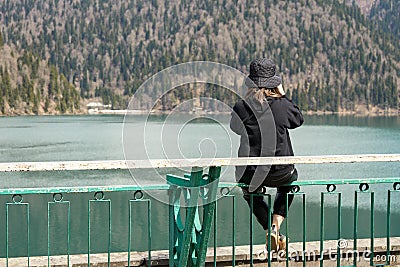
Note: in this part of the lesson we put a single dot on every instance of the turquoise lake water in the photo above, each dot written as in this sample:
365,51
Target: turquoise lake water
65,138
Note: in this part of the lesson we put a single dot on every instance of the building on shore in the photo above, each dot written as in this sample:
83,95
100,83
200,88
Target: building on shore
95,107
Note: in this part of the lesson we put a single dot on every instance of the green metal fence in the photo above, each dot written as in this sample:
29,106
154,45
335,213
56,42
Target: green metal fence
190,238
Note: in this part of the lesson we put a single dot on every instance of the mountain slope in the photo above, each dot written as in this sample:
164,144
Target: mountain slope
330,55
387,12
365,5
29,86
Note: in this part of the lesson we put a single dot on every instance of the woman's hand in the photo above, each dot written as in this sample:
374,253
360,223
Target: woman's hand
280,89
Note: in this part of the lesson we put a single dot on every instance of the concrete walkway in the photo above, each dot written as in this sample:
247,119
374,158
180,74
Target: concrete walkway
242,256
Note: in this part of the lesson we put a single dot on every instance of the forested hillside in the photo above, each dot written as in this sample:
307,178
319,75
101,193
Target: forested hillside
28,85
387,14
332,57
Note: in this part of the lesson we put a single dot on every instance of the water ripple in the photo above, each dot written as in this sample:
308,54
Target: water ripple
33,146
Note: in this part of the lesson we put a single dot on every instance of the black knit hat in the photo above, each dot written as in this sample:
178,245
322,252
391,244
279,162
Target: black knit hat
263,74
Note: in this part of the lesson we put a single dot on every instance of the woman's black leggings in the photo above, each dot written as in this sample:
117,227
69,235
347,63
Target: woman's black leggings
261,209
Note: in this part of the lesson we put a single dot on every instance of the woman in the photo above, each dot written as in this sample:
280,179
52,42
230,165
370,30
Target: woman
262,120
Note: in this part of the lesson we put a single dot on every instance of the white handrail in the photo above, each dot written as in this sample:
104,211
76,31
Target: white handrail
173,163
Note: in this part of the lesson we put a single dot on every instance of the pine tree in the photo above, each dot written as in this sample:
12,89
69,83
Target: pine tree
1,40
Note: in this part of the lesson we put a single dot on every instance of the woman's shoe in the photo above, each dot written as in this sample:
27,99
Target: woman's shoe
282,242
274,239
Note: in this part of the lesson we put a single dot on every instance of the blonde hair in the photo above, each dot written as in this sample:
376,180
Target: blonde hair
261,94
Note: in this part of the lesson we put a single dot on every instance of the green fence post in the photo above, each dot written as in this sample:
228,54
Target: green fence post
188,243
175,225
191,201
209,211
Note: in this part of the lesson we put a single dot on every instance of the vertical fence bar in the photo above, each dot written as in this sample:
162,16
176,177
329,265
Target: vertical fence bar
48,234
304,230
233,230
269,230
68,235
99,197
268,241
215,233
331,188
226,193
355,255
388,229
138,198
59,201
109,232
17,200
287,229
89,228
172,230
339,228
322,230
396,189
251,229
372,227
149,233
364,189
28,230
129,232
304,224
7,235
268,252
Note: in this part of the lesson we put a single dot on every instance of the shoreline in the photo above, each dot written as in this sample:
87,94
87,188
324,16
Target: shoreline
353,113
376,113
